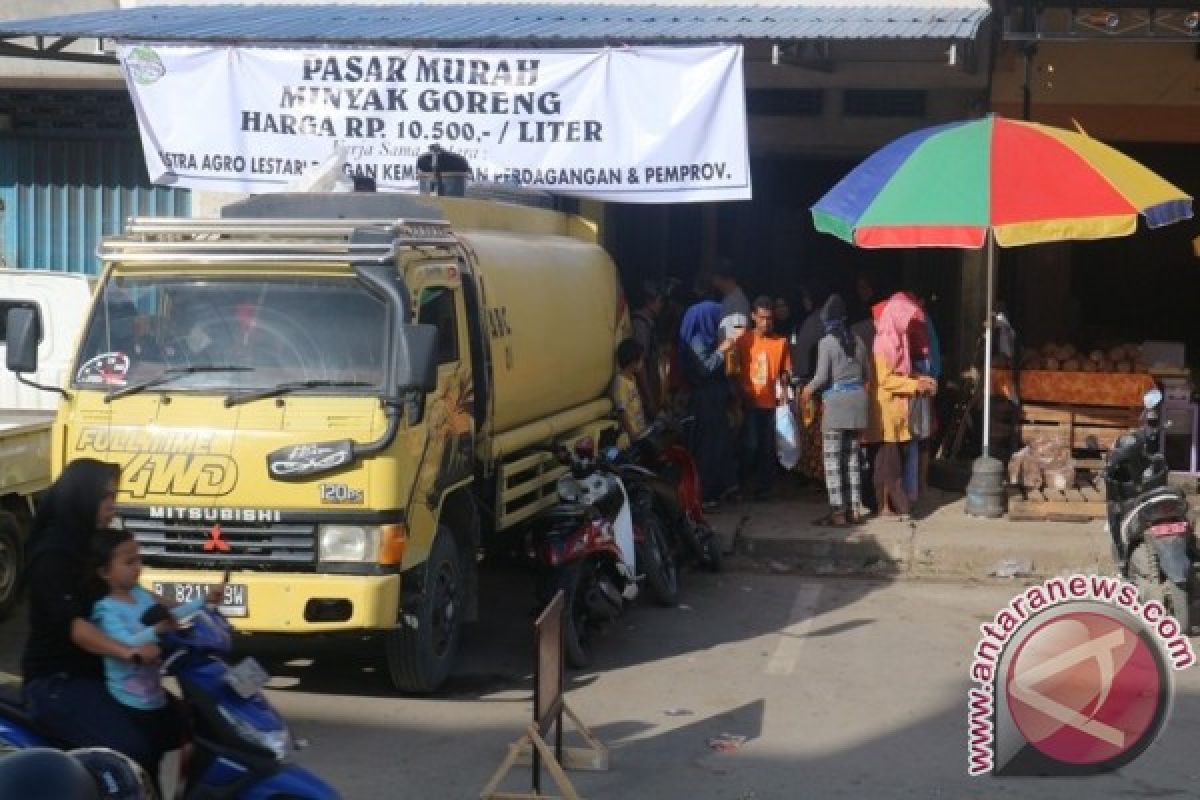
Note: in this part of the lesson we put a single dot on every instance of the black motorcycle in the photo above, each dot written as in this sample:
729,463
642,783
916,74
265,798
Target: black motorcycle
1153,540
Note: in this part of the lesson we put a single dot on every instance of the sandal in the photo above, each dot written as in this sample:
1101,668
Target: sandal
834,519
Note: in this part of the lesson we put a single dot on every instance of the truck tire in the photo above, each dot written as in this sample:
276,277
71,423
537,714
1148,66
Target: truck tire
11,557
420,652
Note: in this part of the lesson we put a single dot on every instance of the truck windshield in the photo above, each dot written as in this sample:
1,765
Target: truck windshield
320,332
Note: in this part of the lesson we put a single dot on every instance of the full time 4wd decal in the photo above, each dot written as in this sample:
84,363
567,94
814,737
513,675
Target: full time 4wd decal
179,463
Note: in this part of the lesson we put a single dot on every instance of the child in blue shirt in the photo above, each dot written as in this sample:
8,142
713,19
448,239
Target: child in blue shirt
137,686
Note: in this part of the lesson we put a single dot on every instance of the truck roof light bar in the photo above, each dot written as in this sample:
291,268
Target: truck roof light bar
271,239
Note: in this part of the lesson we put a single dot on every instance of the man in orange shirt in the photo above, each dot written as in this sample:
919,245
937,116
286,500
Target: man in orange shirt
764,359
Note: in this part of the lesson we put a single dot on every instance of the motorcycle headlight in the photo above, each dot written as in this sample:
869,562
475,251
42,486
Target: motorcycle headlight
278,742
349,543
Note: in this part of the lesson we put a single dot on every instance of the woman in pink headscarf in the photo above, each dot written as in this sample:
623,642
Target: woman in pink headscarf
893,387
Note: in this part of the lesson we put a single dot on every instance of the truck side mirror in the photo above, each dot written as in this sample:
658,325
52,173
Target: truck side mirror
416,364
22,340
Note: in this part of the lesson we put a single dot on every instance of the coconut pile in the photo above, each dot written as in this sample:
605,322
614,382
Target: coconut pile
1065,357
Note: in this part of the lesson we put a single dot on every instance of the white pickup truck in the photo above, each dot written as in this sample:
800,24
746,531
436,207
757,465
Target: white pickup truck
59,302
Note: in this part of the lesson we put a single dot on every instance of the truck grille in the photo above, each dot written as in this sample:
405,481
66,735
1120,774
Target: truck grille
269,546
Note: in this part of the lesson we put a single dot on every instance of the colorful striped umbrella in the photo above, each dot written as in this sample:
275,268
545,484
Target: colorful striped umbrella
947,186
995,181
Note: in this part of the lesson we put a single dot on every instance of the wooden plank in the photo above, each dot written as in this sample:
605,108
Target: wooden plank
1059,508
1110,417
1038,414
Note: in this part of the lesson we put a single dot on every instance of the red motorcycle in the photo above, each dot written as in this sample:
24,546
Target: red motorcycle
585,546
678,495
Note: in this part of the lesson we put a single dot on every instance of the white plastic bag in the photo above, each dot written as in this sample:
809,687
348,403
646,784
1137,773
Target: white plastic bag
787,440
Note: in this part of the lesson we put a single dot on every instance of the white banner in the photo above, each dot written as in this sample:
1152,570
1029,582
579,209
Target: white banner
646,124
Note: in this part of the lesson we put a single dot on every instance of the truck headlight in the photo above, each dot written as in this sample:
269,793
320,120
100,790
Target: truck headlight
352,543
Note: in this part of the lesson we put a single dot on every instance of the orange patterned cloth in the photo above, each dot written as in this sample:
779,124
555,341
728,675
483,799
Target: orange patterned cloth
1124,389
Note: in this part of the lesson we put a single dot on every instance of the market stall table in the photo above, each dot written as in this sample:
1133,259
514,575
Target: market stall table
1088,410
1119,389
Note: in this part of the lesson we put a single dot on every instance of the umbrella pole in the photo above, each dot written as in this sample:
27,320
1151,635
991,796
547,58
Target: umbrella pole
985,491
987,343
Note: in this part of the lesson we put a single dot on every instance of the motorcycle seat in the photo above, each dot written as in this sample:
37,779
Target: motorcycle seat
1152,494
12,705
12,708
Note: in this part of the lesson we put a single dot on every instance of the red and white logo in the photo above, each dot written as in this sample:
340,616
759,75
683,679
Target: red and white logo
1084,688
215,542
1072,677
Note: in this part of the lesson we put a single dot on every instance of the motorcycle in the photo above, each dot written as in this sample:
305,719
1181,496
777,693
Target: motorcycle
584,546
654,546
677,492
1154,544
240,743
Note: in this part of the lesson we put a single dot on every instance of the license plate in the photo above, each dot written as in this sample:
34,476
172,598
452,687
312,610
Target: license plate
1169,528
233,602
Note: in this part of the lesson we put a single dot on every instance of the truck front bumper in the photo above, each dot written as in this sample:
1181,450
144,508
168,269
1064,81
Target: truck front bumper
289,602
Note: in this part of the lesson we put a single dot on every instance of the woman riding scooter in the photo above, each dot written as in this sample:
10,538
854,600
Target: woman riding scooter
61,663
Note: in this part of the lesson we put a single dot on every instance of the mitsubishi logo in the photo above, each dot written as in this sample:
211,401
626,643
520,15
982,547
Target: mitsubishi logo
215,542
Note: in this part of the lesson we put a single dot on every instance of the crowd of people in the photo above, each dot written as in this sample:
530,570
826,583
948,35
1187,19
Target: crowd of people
858,380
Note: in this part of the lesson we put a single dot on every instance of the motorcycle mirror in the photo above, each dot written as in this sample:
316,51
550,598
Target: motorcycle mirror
1152,398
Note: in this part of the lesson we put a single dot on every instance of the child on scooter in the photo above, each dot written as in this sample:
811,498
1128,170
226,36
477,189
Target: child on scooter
137,685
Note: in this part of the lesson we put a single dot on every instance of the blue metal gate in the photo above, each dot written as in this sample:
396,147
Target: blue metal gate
71,172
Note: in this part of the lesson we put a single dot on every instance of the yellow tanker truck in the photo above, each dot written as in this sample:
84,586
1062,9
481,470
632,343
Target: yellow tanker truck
334,397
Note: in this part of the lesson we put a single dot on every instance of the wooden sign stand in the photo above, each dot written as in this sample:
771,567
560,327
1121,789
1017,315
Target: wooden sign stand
548,712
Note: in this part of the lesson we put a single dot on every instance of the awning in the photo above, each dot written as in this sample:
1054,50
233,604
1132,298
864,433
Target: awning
540,24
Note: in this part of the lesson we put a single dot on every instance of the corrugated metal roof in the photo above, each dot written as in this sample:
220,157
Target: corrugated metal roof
526,22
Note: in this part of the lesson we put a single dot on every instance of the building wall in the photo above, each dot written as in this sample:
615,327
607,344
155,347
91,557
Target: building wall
1144,99
1116,91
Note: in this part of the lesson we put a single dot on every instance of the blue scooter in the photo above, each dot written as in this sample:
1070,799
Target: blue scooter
240,742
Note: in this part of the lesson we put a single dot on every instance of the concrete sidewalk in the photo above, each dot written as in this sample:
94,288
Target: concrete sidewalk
941,541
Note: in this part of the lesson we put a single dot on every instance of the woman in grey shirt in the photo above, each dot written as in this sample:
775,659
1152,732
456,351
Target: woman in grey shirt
841,377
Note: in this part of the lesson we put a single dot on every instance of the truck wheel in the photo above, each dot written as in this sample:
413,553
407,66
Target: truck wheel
420,652
10,563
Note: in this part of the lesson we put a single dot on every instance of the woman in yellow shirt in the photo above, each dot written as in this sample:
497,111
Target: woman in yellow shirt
893,386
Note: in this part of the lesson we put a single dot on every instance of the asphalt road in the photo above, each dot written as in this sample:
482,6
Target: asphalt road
841,688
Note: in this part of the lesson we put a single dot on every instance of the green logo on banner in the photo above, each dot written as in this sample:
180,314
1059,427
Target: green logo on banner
144,65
